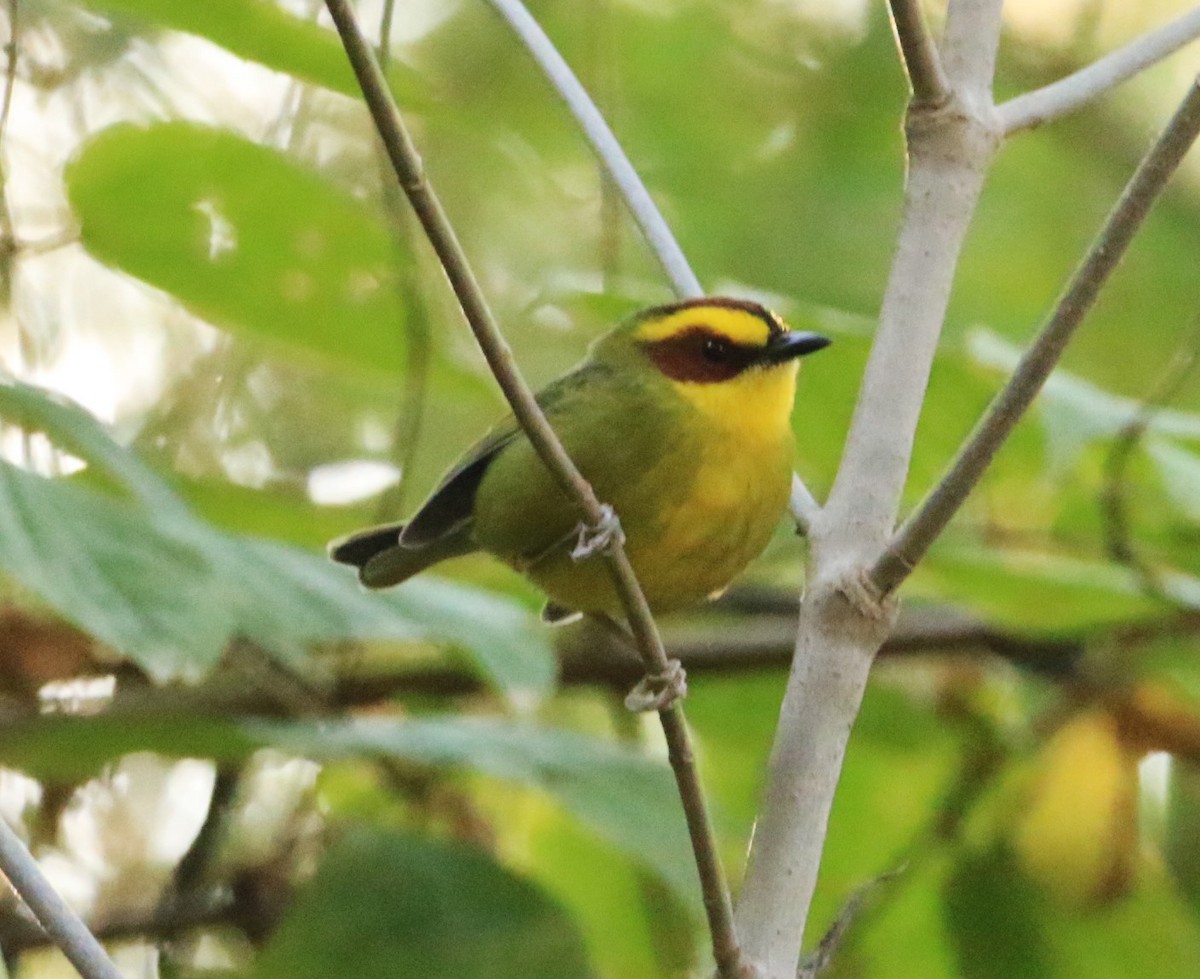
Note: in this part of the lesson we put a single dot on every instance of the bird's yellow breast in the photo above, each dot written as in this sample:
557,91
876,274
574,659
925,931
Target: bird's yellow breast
717,499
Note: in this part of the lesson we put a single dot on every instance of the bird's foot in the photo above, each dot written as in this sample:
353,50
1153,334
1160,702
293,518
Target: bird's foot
658,691
600,537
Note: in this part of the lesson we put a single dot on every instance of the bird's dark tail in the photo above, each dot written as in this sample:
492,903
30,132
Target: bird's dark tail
358,548
381,559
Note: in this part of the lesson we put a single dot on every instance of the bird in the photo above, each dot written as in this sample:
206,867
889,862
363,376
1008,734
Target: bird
679,417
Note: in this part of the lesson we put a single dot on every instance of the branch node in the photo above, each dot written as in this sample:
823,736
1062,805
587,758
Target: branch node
658,691
865,597
602,537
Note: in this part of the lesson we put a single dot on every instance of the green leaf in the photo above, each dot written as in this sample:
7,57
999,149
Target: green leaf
256,30
996,918
403,907
1074,411
137,584
1179,471
170,590
1003,925
74,430
288,598
1032,591
624,798
244,237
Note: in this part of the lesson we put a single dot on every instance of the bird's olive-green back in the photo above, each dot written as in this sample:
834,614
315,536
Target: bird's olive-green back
622,424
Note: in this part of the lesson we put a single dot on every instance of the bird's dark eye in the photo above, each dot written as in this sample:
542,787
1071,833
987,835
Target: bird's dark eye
715,350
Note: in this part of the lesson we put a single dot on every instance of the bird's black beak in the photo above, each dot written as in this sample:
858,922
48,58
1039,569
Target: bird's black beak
795,343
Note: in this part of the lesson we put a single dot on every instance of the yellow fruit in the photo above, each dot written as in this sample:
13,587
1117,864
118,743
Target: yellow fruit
1077,833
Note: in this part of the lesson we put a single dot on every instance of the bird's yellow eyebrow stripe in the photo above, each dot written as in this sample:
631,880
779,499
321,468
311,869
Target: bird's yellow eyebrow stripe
737,325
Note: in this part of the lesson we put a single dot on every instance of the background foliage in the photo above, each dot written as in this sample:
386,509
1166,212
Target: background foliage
253,351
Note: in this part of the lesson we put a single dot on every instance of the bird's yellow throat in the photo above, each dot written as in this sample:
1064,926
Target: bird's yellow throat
754,406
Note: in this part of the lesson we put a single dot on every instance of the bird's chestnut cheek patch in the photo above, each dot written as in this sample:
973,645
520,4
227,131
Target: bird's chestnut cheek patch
699,355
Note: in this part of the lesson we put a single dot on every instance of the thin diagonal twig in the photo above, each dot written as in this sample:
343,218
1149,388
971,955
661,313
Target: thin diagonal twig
920,530
920,54
604,144
1076,90
61,923
410,172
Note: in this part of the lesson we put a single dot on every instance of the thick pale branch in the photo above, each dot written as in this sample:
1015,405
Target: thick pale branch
919,53
1076,90
410,171
61,923
604,144
1151,176
842,623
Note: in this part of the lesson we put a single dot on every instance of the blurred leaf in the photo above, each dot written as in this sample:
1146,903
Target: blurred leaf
1183,829
1003,925
997,919
76,748
1076,835
403,907
74,430
1074,411
1179,470
243,236
900,933
289,596
633,924
894,733
1034,592
171,591
626,799
256,30
137,584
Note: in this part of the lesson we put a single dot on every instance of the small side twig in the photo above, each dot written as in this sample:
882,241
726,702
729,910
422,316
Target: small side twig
1113,502
816,963
1073,92
916,535
919,53
604,144
802,505
425,203
62,924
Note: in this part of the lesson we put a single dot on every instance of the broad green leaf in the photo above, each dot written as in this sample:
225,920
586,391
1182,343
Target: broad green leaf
996,918
244,237
72,429
137,584
1179,470
257,30
1034,592
171,591
634,926
624,798
1074,411
1002,925
406,907
289,598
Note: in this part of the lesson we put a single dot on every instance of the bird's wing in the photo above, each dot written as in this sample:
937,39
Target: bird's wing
450,506
391,553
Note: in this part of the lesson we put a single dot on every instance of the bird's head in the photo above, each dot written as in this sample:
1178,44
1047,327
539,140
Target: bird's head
734,360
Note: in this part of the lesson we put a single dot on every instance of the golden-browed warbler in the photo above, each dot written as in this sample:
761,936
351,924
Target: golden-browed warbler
679,418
